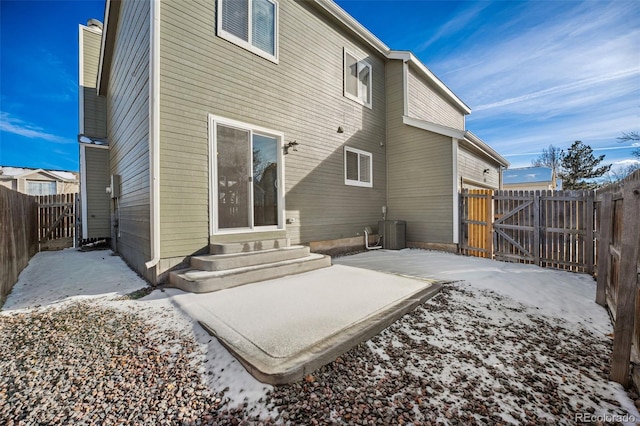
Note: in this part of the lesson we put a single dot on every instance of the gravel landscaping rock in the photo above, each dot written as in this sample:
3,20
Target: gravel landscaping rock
464,357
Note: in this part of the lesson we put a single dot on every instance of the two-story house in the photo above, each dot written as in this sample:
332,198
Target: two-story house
242,125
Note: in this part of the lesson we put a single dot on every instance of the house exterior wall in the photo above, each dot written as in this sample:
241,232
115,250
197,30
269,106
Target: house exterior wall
471,167
94,109
11,184
420,172
530,186
128,132
425,103
20,183
301,96
96,201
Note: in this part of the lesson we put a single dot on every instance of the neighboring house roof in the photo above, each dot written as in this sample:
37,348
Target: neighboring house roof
21,172
527,175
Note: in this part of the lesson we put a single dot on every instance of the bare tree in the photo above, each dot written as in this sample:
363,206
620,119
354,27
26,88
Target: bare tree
630,137
551,158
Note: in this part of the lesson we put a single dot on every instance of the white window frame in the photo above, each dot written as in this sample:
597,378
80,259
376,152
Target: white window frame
364,64
246,44
358,182
39,184
214,121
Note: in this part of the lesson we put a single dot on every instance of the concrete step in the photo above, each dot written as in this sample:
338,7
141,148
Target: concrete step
248,246
199,281
220,262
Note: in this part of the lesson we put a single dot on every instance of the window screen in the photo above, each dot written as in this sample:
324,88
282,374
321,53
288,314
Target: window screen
264,25
250,24
365,168
352,165
235,18
351,75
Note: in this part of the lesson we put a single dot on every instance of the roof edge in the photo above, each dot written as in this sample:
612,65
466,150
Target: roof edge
484,147
408,56
350,22
111,10
433,127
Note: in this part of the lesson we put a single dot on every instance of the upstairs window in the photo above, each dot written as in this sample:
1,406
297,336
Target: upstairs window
357,167
251,24
357,79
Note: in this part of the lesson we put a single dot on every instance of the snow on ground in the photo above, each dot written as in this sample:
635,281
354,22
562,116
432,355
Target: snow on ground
501,343
54,277
59,278
560,294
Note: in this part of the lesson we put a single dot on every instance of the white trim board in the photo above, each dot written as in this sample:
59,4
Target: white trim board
154,133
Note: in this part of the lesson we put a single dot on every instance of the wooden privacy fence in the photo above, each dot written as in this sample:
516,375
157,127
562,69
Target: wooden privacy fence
618,224
56,221
545,228
18,235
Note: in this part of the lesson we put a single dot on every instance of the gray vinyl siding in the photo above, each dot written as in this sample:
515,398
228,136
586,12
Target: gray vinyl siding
95,107
128,130
302,97
426,103
471,167
420,172
98,201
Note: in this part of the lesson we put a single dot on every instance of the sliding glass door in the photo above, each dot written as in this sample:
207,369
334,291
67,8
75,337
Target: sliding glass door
246,175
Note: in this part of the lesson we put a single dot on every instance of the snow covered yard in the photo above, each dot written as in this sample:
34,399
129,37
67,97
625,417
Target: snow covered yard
501,344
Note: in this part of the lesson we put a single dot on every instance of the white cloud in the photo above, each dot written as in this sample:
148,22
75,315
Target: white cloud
628,162
455,24
19,127
567,87
547,56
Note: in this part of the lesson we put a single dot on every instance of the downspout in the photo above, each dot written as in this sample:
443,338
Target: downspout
154,134
456,218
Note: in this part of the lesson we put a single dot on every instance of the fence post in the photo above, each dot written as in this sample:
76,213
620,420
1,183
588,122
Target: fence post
627,285
536,227
605,221
589,249
461,217
488,236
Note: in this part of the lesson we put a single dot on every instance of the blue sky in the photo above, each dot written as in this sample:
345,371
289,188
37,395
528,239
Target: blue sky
534,73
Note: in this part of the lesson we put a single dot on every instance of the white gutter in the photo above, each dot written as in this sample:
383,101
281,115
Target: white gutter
433,127
154,133
80,80
482,146
456,205
347,20
107,8
83,190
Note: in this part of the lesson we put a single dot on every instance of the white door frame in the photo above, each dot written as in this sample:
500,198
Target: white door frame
214,121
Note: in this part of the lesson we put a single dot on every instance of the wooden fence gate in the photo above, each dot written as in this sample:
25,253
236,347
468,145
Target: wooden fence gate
545,228
56,221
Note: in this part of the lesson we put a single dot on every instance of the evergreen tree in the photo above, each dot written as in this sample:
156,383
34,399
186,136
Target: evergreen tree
580,165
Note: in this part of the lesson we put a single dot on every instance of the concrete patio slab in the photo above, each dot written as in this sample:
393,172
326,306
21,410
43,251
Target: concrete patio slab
283,329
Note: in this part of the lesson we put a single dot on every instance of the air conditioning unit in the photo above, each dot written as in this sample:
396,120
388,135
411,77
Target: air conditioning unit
393,234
